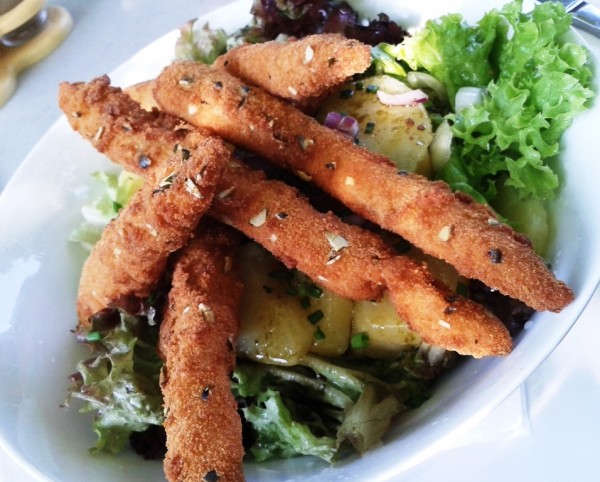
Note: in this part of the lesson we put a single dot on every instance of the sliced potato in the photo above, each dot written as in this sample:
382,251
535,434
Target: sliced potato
335,325
402,133
274,328
387,333
529,216
284,315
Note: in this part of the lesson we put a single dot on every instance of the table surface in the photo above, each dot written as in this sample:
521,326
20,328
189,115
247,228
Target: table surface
558,432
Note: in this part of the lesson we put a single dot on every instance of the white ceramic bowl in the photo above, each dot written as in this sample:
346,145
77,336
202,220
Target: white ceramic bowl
39,273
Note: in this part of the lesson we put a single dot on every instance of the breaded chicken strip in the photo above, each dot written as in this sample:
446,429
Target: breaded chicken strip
240,194
444,224
432,313
129,259
343,258
298,70
197,338
101,114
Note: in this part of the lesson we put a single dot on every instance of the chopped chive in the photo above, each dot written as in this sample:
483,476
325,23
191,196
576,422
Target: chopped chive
305,302
346,93
314,291
359,341
370,127
318,335
315,316
268,289
371,89
93,336
359,86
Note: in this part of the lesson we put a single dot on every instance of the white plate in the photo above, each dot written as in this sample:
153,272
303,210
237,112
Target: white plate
39,273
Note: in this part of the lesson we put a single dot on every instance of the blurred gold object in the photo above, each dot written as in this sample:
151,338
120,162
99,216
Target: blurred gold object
28,33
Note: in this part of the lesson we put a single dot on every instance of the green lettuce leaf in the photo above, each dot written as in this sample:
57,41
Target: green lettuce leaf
542,82
326,408
291,412
120,382
279,435
534,81
368,419
200,43
384,61
455,53
319,407
115,192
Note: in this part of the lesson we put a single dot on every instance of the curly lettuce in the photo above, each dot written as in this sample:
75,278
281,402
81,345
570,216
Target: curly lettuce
455,53
534,82
115,192
327,408
323,408
119,383
200,43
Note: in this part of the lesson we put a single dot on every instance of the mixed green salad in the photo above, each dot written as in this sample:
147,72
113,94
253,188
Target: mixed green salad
499,95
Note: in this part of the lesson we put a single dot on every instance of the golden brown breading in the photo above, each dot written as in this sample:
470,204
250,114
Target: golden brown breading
343,258
432,313
142,94
198,335
298,70
444,224
127,262
100,113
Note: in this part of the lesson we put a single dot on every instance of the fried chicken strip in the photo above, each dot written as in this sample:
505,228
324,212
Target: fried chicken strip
432,313
242,194
298,70
343,258
197,338
129,259
444,224
101,114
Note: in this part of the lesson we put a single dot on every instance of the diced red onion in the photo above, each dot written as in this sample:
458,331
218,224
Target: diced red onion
343,123
411,97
